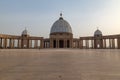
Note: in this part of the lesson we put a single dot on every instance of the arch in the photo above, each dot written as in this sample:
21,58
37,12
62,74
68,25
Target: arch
54,43
68,43
61,44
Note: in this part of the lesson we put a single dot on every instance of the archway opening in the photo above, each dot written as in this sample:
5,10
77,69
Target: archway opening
54,44
68,43
61,44
98,46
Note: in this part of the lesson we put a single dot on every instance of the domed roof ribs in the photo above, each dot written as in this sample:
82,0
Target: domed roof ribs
97,32
25,32
61,26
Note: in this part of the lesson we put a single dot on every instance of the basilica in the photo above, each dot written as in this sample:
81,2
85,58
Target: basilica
60,36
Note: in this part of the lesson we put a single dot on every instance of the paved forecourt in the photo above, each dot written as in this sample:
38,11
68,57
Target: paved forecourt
59,64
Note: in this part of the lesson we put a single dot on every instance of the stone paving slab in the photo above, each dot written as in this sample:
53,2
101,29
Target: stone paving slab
59,64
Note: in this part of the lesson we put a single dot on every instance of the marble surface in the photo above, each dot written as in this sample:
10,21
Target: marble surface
59,64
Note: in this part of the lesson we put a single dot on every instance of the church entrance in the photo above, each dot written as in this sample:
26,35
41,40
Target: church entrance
68,44
54,44
61,44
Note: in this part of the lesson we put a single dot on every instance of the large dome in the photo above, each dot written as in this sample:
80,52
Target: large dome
61,25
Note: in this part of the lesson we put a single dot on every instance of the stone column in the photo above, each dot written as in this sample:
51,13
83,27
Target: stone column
21,43
0,42
92,44
113,43
81,44
36,42
41,43
118,43
46,44
110,44
71,43
4,43
58,44
104,42
95,44
64,43
27,43
87,44
13,43
51,43
18,45
10,43
77,44
101,43
30,43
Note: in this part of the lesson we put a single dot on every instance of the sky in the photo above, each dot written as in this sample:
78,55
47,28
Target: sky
38,16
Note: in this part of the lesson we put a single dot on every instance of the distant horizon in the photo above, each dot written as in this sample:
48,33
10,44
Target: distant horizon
38,16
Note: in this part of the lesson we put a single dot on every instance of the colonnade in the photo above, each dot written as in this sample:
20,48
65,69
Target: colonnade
76,43
46,43
61,43
104,42
86,43
9,41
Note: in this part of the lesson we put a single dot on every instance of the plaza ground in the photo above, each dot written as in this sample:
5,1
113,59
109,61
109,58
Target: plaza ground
59,64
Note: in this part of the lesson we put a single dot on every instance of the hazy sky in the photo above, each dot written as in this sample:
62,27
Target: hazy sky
38,16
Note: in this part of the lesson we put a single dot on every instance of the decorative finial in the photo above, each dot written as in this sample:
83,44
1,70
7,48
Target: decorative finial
61,18
61,14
